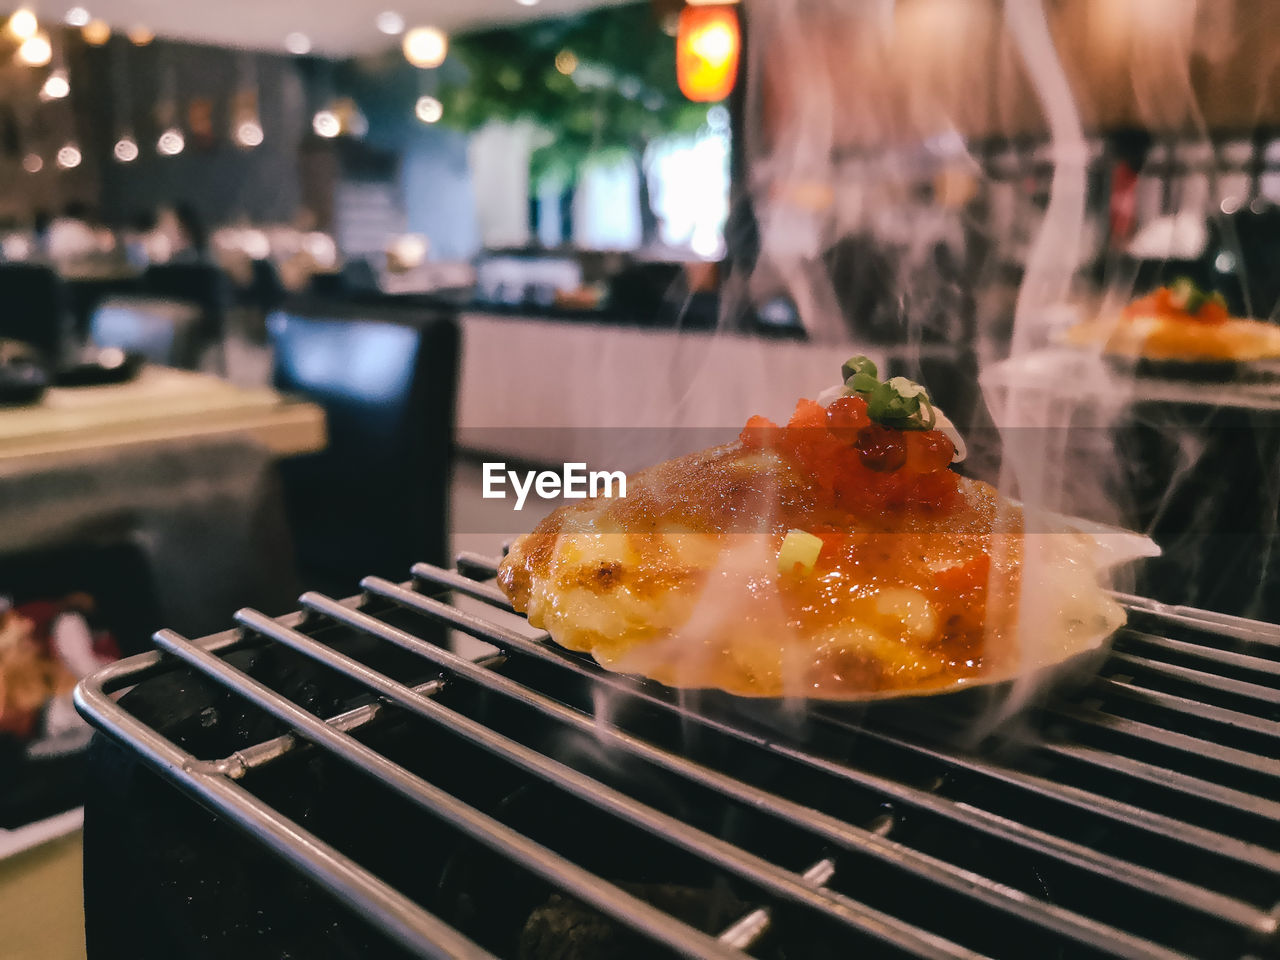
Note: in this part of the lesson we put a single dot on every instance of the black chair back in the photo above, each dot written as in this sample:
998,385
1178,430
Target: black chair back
357,280
203,284
34,307
164,331
376,499
266,289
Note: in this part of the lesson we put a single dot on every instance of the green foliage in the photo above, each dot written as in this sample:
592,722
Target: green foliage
621,95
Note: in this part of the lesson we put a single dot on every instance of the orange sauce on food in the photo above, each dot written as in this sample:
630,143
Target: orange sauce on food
1163,303
862,467
914,588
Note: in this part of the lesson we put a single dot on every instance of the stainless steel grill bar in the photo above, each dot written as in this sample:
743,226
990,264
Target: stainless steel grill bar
1160,776
1238,688
1149,733
479,562
1224,658
1176,830
726,856
966,816
419,931
510,843
1188,707
465,585
242,761
744,933
808,819
1205,620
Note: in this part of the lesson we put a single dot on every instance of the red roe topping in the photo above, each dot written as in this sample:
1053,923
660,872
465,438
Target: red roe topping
866,467
1182,300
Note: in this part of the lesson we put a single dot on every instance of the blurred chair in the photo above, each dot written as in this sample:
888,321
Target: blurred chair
35,307
649,294
359,277
266,290
86,293
203,284
163,331
376,499
356,279
255,300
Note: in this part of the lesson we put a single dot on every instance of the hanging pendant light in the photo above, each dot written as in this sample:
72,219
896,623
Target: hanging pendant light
428,109
708,43
171,142
23,24
56,86
246,122
69,155
425,47
326,124
126,149
36,50
96,33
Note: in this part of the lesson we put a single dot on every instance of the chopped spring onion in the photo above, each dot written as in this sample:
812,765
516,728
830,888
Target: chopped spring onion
1190,298
899,402
799,552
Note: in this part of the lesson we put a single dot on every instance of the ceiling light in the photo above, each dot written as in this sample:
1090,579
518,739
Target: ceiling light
23,25
326,124
32,163
428,109
390,23
96,32
321,248
56,86
126,149
171,142
566,62
249,133
298,44
69,157
425,47
140,35
707,49
35,51
527,3
76,17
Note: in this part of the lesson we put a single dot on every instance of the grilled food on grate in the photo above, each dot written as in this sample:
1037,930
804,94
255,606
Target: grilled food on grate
1180,323
837,557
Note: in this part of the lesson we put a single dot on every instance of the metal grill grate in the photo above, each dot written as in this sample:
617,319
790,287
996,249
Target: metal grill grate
1134,817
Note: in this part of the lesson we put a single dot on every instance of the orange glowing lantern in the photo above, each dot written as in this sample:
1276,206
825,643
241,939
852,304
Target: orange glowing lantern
707,46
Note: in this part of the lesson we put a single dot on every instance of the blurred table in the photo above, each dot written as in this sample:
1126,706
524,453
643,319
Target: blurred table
1194,463
89,283
551,391
177,464
161,405
41,905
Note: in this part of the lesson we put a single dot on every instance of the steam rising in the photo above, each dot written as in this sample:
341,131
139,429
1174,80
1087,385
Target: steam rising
862,107
879,126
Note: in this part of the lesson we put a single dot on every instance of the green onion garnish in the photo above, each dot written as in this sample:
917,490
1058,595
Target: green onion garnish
898,402
1190,298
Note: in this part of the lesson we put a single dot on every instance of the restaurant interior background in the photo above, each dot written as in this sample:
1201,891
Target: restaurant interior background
276,278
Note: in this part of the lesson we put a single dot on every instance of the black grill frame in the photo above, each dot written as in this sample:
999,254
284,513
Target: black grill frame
1252,680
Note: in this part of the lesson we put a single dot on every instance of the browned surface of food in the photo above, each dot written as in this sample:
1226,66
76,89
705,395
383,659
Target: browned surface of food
1160,327
679,582
29,676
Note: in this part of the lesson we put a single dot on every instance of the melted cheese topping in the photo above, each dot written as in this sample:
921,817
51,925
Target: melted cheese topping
679,582
1161,337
